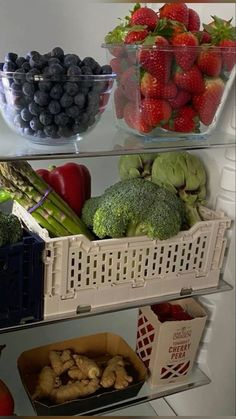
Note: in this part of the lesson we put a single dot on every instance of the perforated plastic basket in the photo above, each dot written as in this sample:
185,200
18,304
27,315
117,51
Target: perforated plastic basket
81,274
21,281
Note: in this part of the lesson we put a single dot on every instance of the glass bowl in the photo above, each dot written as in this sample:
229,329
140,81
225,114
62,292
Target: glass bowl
164,91
53,110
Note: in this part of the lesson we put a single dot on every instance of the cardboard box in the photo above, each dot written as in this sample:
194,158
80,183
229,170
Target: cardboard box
169,349
32,361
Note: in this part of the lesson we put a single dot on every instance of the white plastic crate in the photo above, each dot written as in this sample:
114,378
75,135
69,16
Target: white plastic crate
81,273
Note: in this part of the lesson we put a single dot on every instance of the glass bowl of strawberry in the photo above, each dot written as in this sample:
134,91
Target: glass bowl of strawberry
172,75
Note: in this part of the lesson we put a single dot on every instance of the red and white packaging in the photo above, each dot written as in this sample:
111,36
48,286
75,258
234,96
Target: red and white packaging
169,348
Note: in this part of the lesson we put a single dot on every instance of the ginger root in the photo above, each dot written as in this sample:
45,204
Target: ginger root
87,366
76,374
74,390
48,380
61,361
115,374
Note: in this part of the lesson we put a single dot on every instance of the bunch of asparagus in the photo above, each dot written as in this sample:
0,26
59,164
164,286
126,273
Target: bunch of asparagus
27,188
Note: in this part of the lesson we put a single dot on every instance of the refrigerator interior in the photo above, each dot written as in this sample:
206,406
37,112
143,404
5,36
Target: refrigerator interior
80,27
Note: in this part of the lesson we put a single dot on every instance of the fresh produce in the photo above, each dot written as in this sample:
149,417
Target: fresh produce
6,400
170,312
70,375
34,194
53,94
71,181
165,60
4,196
10,229
135,207
179,171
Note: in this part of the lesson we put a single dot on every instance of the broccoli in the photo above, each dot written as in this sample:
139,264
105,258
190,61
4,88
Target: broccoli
135,207
10,229
89,209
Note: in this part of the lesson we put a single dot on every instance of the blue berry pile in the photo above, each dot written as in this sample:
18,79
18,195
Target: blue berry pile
54,94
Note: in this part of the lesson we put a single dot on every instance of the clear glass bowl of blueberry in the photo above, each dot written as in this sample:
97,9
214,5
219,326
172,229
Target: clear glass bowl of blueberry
53,98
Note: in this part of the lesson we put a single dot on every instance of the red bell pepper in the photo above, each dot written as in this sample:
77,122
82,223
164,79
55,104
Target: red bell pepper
71,181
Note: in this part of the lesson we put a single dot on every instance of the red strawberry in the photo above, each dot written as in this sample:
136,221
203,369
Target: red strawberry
191,80
206,103
180,99
228,54
157,59
153,88
119,65
136,36
120,101
134,118
175,11
203,37
185,57
129,84
155,111
193,21
209,61
184,119
144,16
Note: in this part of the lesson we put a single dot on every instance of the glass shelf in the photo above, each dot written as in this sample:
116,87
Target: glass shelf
86,311
105,140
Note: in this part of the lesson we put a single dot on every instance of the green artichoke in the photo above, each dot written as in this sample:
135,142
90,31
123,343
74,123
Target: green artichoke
136,165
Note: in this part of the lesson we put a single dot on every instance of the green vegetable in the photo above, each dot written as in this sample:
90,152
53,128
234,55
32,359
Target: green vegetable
4,196
10,229
134,207
184,174
136,165
89,209
28,188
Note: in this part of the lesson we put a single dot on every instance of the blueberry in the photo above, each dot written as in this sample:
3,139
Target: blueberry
54,107
35,124
19,103
46,71
73,111
56,91
37,61
57,52
28,89
74,70
79,100
99,86
91,120
71,59
20,61
11,56
79,128
46,118
97,70
51,131
16,88
41,98
65,132
86,70
71,88
28,131
19,122
19,76
25,114
35,109
52,61
66,100
55,70
89,62
45,86
31,54
9,66
61,119
40,133
26,66
30,76
106,69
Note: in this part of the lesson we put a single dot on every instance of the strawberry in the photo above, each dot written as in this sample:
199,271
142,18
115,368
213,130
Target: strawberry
228,54
175,11
181,99
120,101
220,30
129,84
184,119
206,103
144,16
191,80
155,111
193,21
209,61
203,37
118,65
153,88
185,57
157,61
134,118
136,36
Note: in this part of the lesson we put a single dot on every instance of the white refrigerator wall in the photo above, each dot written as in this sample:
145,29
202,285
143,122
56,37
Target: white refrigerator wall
80,27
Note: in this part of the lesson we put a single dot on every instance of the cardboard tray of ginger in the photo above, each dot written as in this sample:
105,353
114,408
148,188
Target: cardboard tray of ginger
82,374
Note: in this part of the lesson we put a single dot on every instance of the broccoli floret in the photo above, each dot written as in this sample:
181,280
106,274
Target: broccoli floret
10,229
89,209
136,207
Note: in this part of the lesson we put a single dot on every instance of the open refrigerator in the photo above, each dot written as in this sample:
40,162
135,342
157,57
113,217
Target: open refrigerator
30,24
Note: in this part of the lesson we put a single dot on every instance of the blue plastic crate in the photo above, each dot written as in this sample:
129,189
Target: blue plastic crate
21,281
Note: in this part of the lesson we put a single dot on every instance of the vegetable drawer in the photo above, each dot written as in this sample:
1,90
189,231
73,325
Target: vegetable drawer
21,281
79,273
